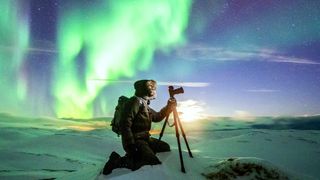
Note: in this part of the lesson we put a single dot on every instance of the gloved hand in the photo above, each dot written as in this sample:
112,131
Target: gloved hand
172,103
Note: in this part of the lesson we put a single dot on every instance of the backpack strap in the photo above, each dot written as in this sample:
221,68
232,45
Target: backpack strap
141,101
143,104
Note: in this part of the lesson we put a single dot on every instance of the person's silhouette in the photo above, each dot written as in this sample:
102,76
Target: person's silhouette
135,125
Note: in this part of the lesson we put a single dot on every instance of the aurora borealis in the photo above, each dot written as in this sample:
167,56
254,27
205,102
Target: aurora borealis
14,35
117,38
259,58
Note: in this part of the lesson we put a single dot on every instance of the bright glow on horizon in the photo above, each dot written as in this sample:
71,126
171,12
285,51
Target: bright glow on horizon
190,110
243,116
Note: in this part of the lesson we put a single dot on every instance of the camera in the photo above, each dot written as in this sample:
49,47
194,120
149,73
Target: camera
173,91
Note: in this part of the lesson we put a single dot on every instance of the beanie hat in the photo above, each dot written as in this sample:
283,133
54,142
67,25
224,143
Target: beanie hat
141,87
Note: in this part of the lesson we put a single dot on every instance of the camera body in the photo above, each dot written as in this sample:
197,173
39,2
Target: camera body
173,91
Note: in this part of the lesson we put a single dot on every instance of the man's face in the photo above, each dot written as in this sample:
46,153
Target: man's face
152,89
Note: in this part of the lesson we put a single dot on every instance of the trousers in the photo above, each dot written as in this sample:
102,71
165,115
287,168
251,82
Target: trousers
146,153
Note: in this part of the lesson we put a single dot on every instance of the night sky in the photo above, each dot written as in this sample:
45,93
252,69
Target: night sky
240,58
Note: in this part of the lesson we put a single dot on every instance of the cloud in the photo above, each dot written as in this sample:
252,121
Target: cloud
243,116
159,83
186,84
261,90
43,46
41,50
37,46
202,52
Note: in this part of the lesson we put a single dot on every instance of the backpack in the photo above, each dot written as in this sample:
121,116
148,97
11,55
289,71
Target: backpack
115,123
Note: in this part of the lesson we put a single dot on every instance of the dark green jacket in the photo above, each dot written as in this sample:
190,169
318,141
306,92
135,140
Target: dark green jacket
137,118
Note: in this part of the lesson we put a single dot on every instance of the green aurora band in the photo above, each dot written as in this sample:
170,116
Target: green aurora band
14,41
113,40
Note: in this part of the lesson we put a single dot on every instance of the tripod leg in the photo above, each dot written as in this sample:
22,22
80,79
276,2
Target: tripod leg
163,127
184,135
175,116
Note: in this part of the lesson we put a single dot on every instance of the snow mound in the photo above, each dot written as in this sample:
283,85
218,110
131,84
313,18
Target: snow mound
245,168
145,172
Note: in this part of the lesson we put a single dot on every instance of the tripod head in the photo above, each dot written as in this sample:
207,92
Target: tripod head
173,91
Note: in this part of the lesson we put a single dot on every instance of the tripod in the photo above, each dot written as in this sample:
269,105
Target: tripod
177,124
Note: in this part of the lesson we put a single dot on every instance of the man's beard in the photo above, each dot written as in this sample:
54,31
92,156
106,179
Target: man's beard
152,95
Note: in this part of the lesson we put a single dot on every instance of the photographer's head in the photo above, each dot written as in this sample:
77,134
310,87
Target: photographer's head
146,89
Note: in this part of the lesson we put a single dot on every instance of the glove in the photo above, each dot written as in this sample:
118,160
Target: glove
172,103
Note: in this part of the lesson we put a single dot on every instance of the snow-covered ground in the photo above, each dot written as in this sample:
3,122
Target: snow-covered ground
48,148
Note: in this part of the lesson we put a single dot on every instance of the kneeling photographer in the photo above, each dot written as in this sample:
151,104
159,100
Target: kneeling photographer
135,125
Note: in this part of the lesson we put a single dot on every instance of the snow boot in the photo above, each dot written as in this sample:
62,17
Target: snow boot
112,163
126,162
